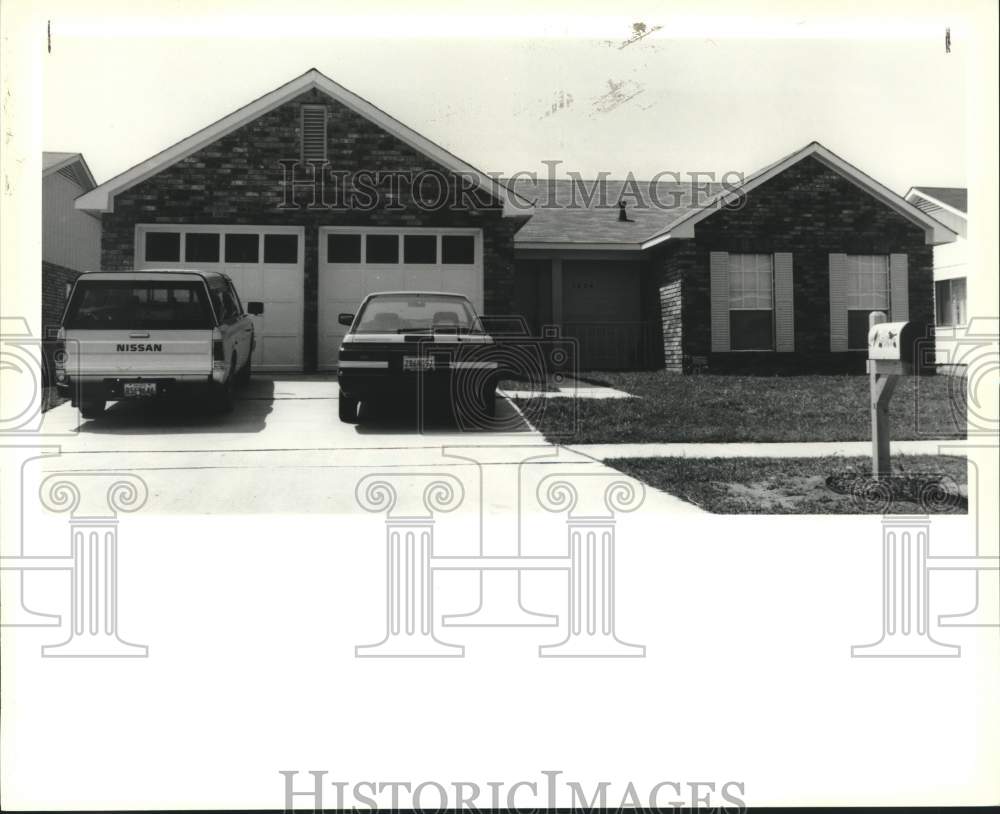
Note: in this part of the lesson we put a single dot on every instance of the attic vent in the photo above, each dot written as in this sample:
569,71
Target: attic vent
313,133
926,206
70,174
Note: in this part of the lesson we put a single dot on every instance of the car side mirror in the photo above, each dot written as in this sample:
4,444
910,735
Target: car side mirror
346,319
255,309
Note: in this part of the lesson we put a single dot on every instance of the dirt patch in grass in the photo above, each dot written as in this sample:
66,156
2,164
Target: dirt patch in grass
714,408
932,484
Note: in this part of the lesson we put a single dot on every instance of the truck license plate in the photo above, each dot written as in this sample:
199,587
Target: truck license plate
140,389
418,363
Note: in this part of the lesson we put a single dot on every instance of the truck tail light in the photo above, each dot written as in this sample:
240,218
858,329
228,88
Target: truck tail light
59,355
218,351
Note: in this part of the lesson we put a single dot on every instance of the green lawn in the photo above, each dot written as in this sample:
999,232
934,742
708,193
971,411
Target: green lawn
672,408
805,485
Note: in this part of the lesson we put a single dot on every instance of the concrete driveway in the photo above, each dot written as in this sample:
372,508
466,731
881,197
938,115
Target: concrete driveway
283,449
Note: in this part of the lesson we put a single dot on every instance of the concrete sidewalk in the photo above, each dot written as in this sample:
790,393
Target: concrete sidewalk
818,449
570,388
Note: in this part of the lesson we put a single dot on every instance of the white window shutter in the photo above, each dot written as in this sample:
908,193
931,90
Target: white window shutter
899,288
784,303
838,302
719,282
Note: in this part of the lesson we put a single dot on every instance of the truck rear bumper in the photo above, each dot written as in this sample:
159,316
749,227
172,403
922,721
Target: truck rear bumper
112,388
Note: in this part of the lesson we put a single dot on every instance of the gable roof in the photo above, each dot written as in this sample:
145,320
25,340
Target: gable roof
562,218
934,232
582,214
955,199
101,199
71,166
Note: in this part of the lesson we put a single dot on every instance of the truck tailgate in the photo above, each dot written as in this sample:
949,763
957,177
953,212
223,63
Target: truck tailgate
138,353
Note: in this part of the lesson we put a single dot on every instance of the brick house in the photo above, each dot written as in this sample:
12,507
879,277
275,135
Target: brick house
777,274
310,197
71,239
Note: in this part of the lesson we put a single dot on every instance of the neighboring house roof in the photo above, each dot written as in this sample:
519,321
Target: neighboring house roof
955,199
934,231
582,214
101,199
71,166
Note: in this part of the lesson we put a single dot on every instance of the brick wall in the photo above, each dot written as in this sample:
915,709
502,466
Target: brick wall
811,211
676,259
238,180
54,280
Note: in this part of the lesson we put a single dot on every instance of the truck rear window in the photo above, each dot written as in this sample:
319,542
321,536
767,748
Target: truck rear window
137,305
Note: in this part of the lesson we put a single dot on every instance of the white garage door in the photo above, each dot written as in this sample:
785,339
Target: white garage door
265,264
356,262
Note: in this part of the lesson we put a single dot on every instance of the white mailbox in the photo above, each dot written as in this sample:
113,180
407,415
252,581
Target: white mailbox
894,349
896,341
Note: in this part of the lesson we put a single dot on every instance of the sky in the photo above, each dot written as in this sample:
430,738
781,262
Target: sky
702,98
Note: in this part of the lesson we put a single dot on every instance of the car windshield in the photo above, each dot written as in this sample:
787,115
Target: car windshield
417,313
139,305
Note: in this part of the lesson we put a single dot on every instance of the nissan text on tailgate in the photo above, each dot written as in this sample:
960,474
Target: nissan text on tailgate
147,334
429,343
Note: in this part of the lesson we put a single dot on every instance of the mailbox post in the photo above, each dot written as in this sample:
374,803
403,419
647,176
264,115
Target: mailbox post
893,351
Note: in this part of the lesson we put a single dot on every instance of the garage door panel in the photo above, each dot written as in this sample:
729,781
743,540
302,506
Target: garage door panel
279,316
276,351
282,284
279,286
342,286
253,282
380,280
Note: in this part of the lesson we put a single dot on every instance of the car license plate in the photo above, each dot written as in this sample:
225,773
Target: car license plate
140,389
418,363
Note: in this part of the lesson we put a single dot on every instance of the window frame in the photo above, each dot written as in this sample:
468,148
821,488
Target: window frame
952,322
438,232
887,309
730,308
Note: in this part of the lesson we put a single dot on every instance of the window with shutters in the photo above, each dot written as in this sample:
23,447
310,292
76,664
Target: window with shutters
751,302
867,291
313,133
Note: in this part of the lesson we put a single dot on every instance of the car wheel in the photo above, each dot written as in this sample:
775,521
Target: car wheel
92,409
490,400
348,409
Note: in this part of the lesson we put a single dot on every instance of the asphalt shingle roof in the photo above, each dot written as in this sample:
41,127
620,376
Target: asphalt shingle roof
957,197
563,213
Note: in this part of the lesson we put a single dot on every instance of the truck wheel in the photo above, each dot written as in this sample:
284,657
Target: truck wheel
348,409
92,408
223,396
244,374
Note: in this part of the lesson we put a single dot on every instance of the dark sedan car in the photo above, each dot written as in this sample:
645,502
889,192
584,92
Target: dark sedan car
402,344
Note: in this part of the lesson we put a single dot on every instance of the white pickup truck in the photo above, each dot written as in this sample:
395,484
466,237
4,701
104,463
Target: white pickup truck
144,334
